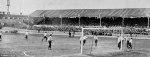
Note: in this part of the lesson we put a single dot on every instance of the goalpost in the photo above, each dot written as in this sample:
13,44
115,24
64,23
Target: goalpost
119,30
141,36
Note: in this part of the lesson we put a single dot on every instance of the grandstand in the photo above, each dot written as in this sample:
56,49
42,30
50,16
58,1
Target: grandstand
93,17
87,21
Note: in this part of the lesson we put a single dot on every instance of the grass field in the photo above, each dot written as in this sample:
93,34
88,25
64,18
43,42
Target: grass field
14,45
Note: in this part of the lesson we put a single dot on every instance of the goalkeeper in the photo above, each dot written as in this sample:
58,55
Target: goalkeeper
120,39
83,38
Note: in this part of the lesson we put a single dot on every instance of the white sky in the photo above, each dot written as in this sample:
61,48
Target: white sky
28,6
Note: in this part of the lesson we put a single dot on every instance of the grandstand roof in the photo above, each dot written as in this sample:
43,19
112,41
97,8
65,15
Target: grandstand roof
127,12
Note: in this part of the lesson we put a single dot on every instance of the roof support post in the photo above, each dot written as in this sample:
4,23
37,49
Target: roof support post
122,22
60,20
122,33
44,18
100,20
79,20
148,23
81,47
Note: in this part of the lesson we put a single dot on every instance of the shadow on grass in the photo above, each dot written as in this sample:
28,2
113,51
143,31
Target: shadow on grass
8,53
132,53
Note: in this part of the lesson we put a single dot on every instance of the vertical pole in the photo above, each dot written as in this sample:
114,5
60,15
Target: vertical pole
82,31
8,6
148,23
122,22
61,20
8,10
44,19
79,20
82,42
122,34
122,39
91,46
28,23
100,22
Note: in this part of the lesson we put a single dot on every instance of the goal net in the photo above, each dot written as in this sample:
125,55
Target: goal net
101,31
108,39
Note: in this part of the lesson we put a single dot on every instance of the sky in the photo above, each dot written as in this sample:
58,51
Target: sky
28,6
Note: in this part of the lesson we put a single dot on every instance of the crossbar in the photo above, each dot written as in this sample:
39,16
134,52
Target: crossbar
105,28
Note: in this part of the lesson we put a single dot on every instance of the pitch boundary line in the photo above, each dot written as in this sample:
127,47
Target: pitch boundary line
78,54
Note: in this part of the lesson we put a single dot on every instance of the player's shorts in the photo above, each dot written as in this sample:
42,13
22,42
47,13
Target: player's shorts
50,42
84,41
119,44
26,36
130,45
96,41
0,36
45,37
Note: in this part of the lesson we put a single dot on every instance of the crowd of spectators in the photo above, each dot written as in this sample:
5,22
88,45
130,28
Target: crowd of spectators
108,31
58,28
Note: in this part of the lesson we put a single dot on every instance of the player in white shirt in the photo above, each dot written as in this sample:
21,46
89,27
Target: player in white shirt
83,38
26,35
69,34
45,36
119,41
96,40
129,43
50,39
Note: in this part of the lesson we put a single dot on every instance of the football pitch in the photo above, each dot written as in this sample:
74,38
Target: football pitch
15,45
